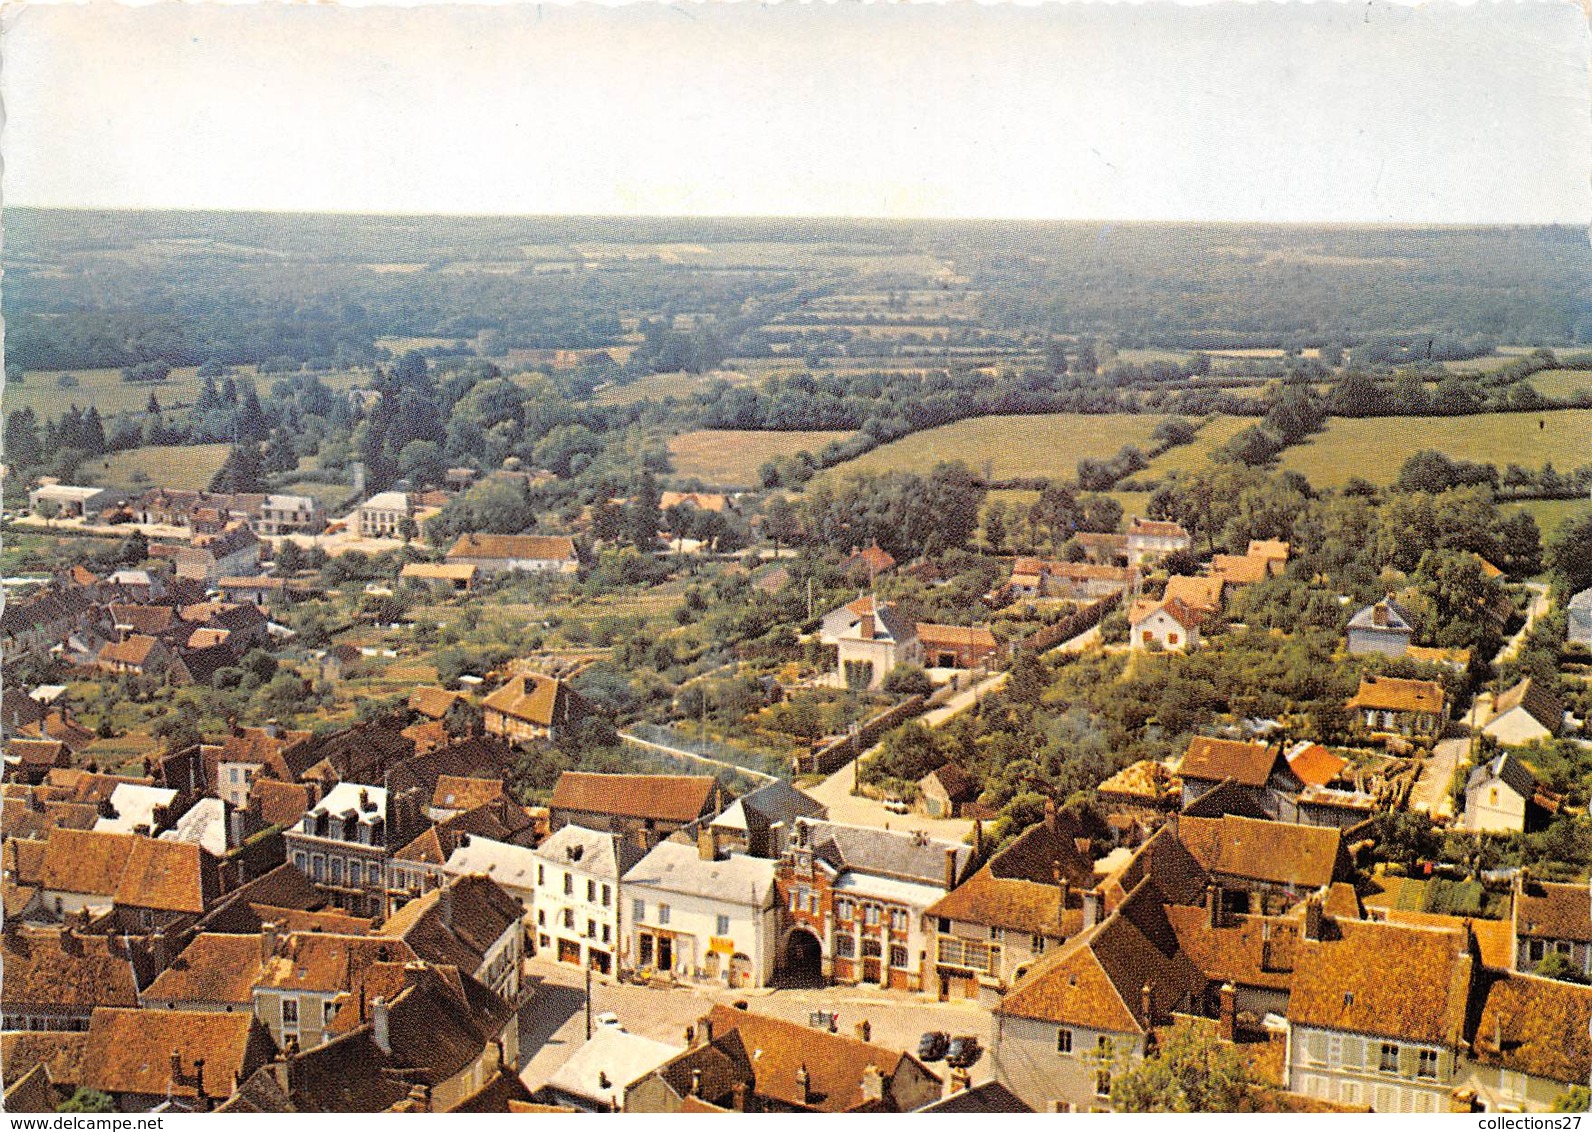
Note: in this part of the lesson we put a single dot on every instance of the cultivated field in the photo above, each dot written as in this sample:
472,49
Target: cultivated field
730,458
1010,447
1187,457
106,391
657,386
1374,448
1562,383
190,467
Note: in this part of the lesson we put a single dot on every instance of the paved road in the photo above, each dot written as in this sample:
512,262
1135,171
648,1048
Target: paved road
1537,608
1431,794
553,1024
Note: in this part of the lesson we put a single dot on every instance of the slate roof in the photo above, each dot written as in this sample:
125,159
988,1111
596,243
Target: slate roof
1212,760
955,781
663,797
1538,700
1543,910
769,805
591,851
883,852
1385,616
1384,980
989,1099
1509,769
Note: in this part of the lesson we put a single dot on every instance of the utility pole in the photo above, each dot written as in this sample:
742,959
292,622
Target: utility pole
588,1000
856,761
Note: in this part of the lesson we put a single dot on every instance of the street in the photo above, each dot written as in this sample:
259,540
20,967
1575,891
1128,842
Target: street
1431,794
553,1023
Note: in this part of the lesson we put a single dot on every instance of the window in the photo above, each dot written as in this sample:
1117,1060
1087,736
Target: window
722,926
1104,1049
638,910
1349,1092
591,892
845,946
608,896
898,956
1064,1041
328,1012
569,884
356,873
1036,944
842,909
591,929
569,917
1537,949
872,917
607,933
1427,1065
290,1012
1389,1062
335,867
541,874
299,863
995,934
318,867
1171,638
541,917
663,913
1103,1083
898,919
945,923
871,948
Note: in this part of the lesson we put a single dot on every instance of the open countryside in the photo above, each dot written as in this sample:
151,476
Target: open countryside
731,458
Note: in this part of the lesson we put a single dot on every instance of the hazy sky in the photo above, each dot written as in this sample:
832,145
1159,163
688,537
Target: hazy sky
1322,111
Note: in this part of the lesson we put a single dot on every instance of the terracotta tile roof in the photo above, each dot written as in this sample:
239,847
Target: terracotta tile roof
24,860
537,699
214,968
205,637
170,876
86,786
433,702
1536,1026
134,651
1196,593
1212,760
135,1051
329,921
662,797
281,803
953,636
1145,780
315,961
61,1052
148,619
1538,700
1277,852
61,970
1553,911
874,558
956,783
544,548
38,752
1268,548
440,571
1240,569
84,862
1495,947
456,925
1155,528
1314,765
1018,905
1393,693
1174,607
1251,951
1386,980
456,793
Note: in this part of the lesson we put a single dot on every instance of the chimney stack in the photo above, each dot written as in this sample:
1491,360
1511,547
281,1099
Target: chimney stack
1213,905
1062,897
445,905
978,838
1091,907
704,1031
708,843
380,1021
1147,1004
1050,814
865,626
176,1067
1313,919
872,1083
199,1077
804,1082
1227,1017
950,869
419,1098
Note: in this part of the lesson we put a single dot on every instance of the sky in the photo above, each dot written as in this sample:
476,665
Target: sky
1326,111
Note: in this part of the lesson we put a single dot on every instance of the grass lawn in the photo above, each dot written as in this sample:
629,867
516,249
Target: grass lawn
1551,514
105,389
1374,448
189,467
730,458
1044,445
1562,382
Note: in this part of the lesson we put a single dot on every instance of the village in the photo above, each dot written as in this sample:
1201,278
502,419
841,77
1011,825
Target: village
896,850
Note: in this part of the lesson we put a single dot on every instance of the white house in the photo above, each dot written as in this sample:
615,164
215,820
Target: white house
513,867
1385,628
282,514
1150,539
597,1077
578,892
530,554
1579,614
700,915
382,514
1497,796
1526,713
879,640
1170,624
69,500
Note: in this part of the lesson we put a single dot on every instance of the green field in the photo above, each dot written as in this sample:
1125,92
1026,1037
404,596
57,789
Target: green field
730,458
1562,382
1042,446
1152,354
189,467
1551,514
1374,448
1189,457
657,386
326,494
106,391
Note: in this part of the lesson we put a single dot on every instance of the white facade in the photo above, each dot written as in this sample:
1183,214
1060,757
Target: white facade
702,920
381,515
1385,1074
280,514
1516,727
512,867
577,899
1493,806
1161,628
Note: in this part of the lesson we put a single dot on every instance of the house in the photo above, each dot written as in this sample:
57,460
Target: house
30,760
260,590
1167,624
36,625
1105,549
533,706
454,794
579,895
955,646
341,843
868,563
1152,539
152,883
1551,919
1392,705
698,913
1259,772
838,621
69,501
942,793
215,972
1578,619
601,1072
458,575
1503,795
1203,595
138,655
878,641
384,514
1084,581
1530,1044
1023,902
1242,569
1530,712
289,514
745,1062
1137,799
989,1099
304,980
250,752
1377,1014
533,554
852,902
182,1060
1385,628
55,978
646,806
469,923
1261,866
1314,765
701,500
762,822
232,552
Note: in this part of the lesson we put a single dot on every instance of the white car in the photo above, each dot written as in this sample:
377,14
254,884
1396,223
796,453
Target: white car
897,806
610,1019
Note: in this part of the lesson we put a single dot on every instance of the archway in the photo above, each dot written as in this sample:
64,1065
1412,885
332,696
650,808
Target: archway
803,960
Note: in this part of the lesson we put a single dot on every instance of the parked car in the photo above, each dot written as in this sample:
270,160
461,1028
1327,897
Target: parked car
897,806
932,1045
609,1019
964,1052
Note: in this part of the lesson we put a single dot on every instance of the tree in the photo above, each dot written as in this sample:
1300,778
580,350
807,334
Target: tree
135,548
1556,966
1028,680
995,526
87,1100
1577,1098
1191,1071
908,680
1570,554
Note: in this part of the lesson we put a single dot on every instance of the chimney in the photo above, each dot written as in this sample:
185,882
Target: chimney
1313,919
708,843
1227,1017
1050,814
379,1023
960,1082
872,1083
269,938
1213,906
445,905
176,1068
865,627
1062,896
864,1030
804,1082
1147,1004
738,1096
696,1082
704,1030
419,1098
199,1077
234,826
978,838
950,869
1091,908
272,729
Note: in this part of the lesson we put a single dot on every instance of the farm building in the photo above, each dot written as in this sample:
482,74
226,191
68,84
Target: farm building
496,554
459,575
